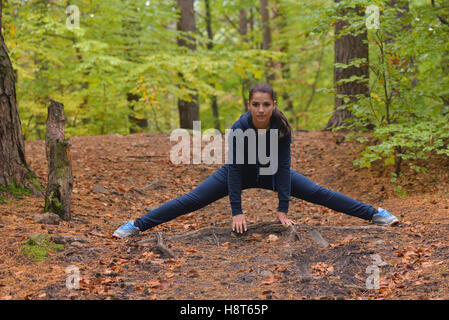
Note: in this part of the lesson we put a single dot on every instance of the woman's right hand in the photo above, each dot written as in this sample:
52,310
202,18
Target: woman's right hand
239,223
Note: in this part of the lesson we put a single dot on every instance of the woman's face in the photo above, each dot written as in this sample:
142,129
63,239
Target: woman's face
261,107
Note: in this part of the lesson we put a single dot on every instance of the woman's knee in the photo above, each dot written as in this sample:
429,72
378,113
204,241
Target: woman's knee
209,191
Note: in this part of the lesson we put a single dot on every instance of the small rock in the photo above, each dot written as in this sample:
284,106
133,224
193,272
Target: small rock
155,185
129,283
111,273
379,243
272,238
77,244
75,259
65,239
39,238
266,273
99,189
47,218
150,208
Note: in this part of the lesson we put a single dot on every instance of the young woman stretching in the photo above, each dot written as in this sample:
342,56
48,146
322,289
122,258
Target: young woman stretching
233,177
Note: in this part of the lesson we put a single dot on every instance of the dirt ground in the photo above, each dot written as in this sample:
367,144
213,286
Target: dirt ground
411,259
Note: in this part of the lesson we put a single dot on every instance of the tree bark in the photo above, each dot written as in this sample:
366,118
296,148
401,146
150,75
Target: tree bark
60,180
243,30
280,17
266,35
210,46
188,109
13,165
346,49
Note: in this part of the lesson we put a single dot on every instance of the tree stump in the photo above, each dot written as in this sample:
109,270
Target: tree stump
60,179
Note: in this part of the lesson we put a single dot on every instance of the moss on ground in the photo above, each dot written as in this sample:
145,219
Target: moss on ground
15,190
38,246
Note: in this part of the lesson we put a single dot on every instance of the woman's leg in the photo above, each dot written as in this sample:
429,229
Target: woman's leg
305,189
210,190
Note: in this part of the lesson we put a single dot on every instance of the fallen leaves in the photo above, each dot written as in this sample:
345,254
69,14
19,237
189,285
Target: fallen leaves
158,284
270,280
321,269
121,267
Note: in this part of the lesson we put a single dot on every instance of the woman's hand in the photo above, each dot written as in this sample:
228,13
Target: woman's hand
239,223
283,219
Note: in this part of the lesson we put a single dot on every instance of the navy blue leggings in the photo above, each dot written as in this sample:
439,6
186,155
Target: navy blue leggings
215,187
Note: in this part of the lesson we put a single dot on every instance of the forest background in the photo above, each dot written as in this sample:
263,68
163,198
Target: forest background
138,66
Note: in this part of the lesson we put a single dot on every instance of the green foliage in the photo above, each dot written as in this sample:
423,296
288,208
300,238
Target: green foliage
53,204
123,66
129,47
31,177
409,101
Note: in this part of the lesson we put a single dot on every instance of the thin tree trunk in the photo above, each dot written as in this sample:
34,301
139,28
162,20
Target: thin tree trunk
13,165
210,46
398,62
188,109
346,49
243,30
266,36
251,24
243,23
284,65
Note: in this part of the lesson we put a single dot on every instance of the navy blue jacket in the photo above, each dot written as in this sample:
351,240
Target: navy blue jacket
281,180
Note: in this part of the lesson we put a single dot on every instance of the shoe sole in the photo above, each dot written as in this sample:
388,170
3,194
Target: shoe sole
121,236
393,223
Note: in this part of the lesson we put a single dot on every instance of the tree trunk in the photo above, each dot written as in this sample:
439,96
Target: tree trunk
60,180
445,59
346,49
243,30
13,166
141,123
266,35
280,18
243,23
404,28
210,46
188,109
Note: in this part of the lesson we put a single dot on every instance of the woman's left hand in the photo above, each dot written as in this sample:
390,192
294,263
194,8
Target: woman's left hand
283,219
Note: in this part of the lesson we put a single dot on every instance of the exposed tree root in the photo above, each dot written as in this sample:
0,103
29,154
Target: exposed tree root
161,246
262,228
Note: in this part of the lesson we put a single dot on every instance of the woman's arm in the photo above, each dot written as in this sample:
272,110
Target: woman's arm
234,176
283,177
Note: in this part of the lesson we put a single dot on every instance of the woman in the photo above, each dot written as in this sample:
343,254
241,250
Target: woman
234,177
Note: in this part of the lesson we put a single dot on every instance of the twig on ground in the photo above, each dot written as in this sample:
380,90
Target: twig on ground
294,233
214,236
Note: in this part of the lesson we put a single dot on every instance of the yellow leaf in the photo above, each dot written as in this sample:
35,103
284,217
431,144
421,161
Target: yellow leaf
389,160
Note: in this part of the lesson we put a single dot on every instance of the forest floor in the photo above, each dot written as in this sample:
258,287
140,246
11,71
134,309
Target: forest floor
135,173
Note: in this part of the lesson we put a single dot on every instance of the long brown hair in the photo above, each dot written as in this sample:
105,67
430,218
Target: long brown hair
285,130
